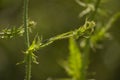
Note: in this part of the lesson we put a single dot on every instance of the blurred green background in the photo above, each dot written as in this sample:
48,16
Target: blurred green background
55,17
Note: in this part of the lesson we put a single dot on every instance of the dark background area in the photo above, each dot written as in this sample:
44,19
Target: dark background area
55,17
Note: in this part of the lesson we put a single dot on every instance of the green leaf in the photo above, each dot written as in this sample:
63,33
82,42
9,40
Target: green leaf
34,47
74,64
13,32
16,31
35,44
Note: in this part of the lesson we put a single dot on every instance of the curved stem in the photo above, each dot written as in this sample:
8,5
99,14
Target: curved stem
28,56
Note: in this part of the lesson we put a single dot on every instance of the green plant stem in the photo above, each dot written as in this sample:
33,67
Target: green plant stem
85,60
86,52
96,9
26,22
28,56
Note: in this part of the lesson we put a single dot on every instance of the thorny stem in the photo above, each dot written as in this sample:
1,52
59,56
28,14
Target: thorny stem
76,33
26,22
28,56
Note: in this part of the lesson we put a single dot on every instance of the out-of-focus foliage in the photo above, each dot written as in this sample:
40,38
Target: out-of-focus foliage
102,33
99,35
74,64
56,17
